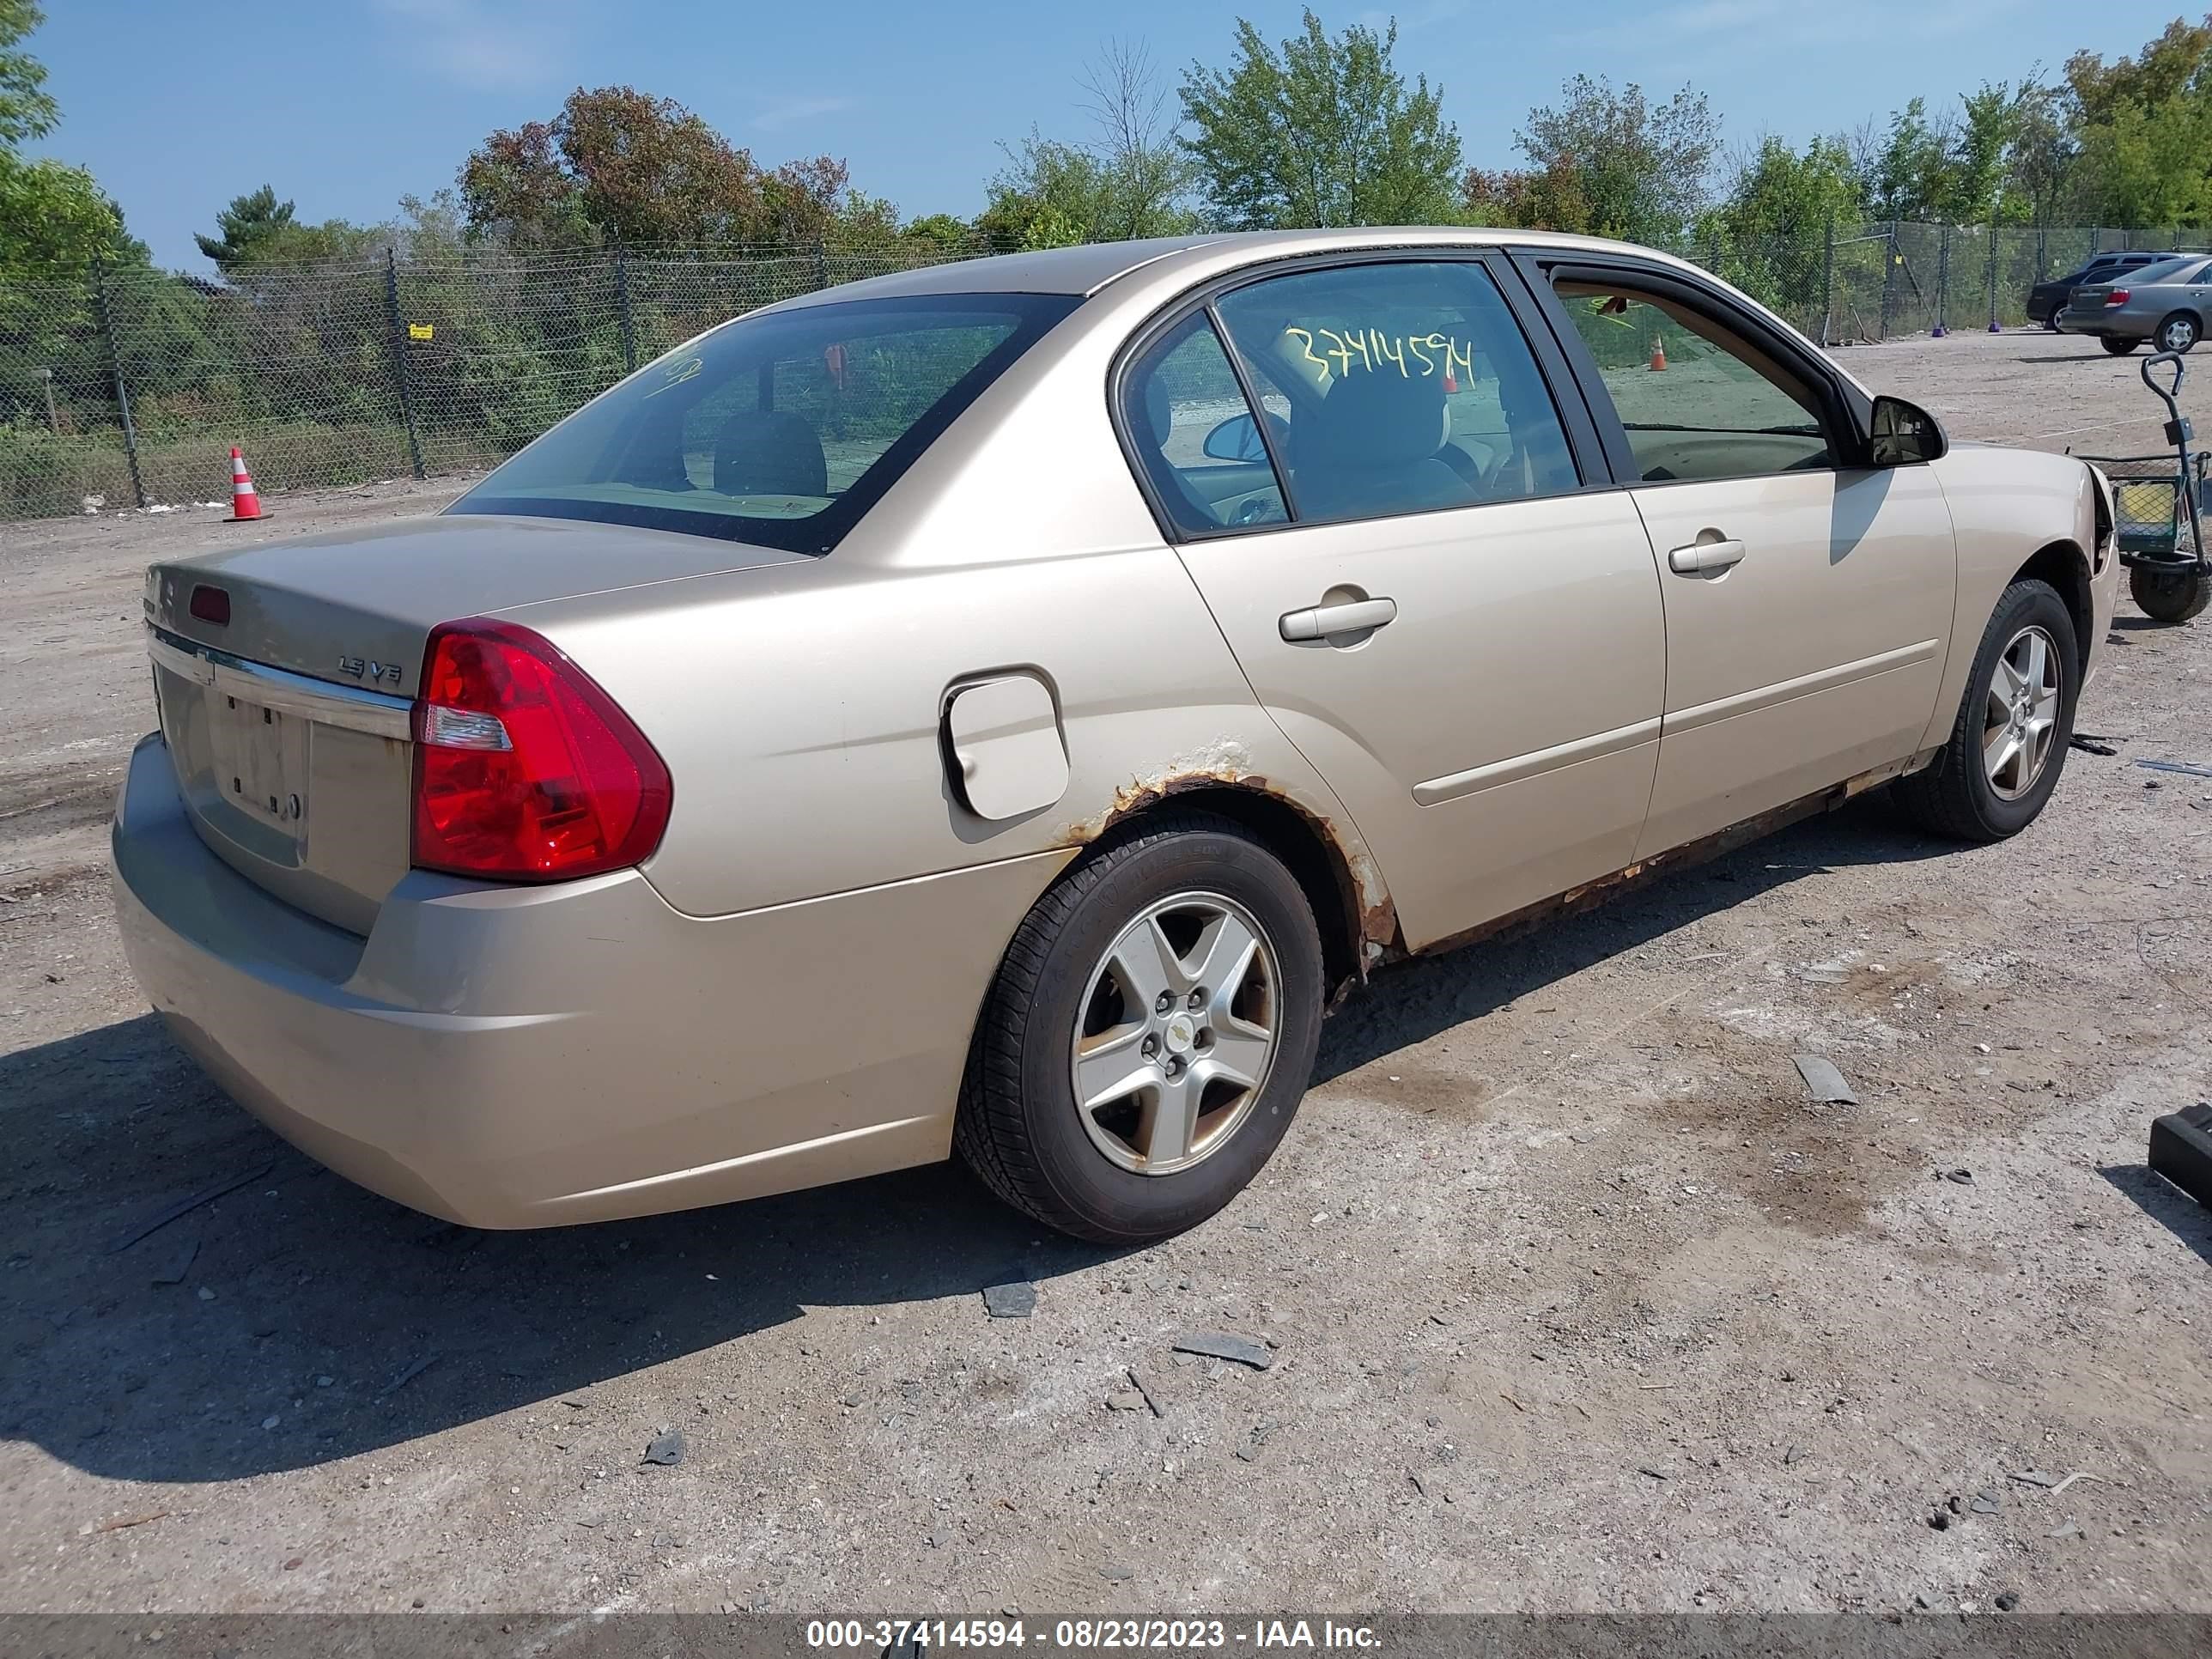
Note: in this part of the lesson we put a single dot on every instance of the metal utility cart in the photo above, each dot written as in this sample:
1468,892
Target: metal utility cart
2156,504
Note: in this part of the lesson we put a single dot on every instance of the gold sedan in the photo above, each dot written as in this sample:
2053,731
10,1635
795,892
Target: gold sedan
999,707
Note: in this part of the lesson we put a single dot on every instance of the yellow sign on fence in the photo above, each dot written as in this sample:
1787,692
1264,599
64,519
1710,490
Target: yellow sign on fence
420,331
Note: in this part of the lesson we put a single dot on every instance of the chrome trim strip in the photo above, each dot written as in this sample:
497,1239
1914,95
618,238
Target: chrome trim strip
352,708
766,1156
1517,767
1827,679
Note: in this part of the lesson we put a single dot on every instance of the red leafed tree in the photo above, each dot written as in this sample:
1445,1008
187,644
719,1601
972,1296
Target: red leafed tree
621,164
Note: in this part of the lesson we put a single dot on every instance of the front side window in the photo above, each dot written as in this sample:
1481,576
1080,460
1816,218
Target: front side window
1397,387
780,429
1697,399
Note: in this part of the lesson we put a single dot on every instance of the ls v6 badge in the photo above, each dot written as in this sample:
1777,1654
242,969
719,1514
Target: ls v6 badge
374,672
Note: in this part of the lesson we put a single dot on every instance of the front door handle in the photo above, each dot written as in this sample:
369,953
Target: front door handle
1698,558
1325,621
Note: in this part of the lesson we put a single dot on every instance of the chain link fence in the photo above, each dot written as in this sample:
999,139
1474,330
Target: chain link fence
128,389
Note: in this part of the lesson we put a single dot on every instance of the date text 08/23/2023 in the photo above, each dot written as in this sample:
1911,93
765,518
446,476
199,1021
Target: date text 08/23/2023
1085,1635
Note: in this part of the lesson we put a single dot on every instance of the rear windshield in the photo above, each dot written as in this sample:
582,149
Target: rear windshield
2153,272
780,429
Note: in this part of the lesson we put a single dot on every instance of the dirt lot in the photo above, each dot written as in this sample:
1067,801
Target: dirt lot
1578,1303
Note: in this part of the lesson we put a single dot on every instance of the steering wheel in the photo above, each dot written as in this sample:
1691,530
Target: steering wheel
1255,509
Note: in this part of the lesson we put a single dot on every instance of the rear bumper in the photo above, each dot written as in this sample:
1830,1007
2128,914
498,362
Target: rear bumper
2102,322
521,1057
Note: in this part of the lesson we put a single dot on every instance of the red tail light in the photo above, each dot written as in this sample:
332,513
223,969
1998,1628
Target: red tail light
524,769
2118,297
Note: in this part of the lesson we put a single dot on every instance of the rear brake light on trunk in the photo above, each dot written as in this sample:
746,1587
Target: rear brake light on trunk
2118,297
524,769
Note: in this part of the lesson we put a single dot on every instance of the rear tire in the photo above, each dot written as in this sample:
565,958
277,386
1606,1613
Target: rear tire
2118,348
2177,332
1962,796
1063,994
2175,597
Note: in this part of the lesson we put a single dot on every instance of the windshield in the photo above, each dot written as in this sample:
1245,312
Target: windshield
780,429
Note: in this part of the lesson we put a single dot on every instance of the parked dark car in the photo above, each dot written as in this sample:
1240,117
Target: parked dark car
2047,300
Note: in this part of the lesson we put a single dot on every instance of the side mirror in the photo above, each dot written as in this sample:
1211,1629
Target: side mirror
1237,439
1904,434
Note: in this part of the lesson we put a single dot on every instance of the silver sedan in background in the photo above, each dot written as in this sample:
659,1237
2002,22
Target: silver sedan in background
2168,302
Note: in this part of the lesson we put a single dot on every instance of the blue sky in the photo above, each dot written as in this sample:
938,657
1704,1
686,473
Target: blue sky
346,104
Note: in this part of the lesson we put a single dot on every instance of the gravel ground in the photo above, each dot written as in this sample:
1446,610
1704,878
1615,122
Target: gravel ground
1575,1303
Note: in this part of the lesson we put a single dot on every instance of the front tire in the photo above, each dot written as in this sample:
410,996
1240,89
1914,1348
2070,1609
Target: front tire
2008,745
2118,348
1149,1033
2177,332
2174,596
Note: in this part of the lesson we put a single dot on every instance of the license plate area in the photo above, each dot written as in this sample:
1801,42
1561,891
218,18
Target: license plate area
260,757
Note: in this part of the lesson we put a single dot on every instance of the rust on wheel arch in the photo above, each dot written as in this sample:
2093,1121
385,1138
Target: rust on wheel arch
1367,922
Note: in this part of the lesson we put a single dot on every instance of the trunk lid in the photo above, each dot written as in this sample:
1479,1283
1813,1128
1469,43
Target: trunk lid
287,723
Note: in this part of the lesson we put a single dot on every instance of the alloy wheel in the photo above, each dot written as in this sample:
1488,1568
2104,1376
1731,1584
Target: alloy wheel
2021,713
1176,1034
2178,335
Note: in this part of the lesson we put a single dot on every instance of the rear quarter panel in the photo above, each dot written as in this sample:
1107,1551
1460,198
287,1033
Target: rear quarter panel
2008,505
802,720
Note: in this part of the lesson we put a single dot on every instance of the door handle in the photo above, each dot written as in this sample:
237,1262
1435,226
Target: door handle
1323,622
1699,557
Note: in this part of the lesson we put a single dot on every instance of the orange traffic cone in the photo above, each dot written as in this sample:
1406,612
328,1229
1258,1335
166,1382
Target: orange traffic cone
244,500
1658,354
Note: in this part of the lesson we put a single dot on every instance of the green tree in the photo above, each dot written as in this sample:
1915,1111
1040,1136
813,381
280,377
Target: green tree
27,110
1045,179
1978,173
2146,164
2140,128
2171,67
1130,181
1320,132
940,229
2039,180
1769,230
54,219
1773,189
258,230
1639,169
1911,175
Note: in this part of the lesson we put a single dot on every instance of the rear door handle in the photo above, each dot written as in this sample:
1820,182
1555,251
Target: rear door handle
1325,621
1701,556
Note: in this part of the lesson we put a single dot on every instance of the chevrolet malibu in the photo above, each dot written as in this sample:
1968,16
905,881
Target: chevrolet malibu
1001,707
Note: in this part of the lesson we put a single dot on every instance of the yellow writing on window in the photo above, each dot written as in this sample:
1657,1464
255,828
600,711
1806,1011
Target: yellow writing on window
1410,357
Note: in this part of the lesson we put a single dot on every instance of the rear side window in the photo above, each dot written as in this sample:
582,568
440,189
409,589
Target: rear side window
1194,435
780,429
1403,387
